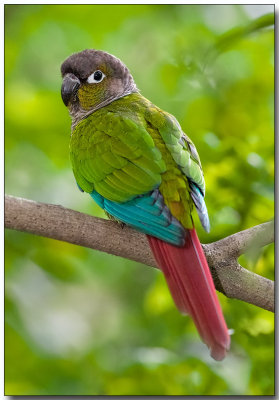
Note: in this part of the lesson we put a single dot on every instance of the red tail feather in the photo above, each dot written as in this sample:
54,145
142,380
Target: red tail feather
192,288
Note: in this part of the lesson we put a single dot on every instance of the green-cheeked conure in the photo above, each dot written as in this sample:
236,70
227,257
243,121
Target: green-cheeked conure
138,165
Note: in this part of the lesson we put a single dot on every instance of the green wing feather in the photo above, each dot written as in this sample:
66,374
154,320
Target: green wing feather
179,145
182,160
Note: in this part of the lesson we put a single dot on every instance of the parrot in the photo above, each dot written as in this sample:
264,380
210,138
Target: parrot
139,166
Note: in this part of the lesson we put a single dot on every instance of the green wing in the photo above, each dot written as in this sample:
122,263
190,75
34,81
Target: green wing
113,153
130,147
180,146
183,184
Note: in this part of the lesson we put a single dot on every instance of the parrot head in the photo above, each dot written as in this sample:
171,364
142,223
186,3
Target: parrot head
91,80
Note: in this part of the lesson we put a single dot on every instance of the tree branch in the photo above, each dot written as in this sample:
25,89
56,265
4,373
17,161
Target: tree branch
60,223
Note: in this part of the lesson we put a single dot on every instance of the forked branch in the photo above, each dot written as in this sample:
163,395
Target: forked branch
60,223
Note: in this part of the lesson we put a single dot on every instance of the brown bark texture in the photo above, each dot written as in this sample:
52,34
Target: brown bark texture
57,222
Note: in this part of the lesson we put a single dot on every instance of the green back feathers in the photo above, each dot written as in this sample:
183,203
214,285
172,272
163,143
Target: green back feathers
113,153
130,147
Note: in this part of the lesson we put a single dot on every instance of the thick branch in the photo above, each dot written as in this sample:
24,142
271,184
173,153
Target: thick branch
60,223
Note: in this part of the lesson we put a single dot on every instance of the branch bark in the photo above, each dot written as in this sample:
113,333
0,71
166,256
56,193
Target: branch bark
60,223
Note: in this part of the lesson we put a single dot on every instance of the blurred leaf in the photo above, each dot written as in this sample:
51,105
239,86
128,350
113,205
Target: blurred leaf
81,322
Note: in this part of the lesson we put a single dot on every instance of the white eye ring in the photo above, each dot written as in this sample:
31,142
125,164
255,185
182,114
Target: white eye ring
96,77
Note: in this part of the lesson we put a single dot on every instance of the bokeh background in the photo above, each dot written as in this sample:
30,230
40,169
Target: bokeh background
80,322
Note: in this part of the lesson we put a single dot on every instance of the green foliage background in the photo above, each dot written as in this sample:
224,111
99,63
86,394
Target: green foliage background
81,322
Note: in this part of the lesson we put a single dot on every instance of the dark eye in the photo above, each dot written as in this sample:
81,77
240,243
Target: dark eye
96,77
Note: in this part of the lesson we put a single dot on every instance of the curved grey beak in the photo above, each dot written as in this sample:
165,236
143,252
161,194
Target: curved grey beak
70,86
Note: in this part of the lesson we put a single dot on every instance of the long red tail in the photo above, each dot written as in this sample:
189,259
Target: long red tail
192,288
